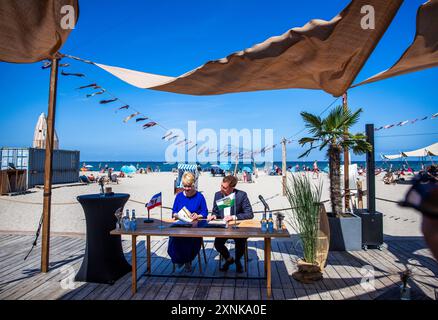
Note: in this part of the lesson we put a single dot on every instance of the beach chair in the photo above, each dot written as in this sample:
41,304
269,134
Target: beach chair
84,179
114,178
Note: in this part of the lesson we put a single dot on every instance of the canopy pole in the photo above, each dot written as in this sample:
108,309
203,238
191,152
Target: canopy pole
346,160
48,166
284,168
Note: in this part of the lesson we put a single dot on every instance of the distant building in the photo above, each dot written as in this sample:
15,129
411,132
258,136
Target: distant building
39,136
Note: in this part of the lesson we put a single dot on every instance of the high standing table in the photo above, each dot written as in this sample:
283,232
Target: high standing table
246,229
104,261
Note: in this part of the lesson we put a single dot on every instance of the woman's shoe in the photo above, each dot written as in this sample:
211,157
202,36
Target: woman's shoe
180,265
187,267
226,265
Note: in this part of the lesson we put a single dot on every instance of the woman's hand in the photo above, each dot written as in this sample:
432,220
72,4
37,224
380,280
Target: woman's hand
228,218
196,216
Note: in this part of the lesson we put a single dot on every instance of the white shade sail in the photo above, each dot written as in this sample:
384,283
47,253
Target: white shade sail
431,150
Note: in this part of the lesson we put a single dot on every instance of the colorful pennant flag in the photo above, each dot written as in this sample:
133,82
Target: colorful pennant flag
46,64
149,124
87,86
166,136
95,93
173,137
131,116
72,74
141,119
124,107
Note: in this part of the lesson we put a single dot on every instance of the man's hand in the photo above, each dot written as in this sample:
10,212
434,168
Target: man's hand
229,218
211,217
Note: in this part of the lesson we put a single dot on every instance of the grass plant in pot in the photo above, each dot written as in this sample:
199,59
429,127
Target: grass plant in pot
305,200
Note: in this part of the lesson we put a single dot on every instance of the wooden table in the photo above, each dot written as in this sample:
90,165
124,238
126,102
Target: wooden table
246,229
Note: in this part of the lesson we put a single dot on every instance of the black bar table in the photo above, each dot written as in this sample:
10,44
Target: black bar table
104,261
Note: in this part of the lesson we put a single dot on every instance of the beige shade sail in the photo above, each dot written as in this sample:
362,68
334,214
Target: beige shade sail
325,55
423,52
31,30
392,156
431,150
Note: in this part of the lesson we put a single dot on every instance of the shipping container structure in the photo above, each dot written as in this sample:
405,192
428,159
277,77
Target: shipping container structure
65,167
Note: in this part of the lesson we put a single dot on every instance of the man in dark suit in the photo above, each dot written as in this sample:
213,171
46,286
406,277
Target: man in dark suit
242,210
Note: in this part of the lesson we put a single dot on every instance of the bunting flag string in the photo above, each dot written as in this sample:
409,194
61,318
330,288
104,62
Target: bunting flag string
405,122
113,99
169,135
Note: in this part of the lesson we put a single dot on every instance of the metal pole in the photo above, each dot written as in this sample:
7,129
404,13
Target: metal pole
371,168
283,169
48,167
346,161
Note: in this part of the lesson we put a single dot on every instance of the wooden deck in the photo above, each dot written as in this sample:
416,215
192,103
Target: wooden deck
21,279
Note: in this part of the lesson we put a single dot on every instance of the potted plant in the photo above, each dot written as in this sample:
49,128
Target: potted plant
305,200
345,228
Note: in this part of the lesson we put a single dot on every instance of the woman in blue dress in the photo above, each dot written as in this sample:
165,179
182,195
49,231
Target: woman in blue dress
183,250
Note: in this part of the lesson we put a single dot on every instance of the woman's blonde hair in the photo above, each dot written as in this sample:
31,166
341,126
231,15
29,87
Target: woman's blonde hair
188,178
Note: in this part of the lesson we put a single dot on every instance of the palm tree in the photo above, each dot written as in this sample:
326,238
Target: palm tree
329,132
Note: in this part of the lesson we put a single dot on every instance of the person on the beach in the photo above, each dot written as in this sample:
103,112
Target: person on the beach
183,250
315,169
241,210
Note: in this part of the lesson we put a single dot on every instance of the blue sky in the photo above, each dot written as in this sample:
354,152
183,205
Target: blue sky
173,37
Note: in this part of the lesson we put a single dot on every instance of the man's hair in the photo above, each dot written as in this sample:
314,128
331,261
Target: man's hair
231,180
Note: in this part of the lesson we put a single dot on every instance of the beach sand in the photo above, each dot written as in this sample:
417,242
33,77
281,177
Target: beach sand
21,213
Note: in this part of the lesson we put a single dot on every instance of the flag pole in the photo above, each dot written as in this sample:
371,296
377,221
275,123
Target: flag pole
161,214
235,213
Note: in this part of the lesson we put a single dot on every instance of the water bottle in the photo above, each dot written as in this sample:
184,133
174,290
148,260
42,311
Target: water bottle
133,221
264,223
126,221
270,223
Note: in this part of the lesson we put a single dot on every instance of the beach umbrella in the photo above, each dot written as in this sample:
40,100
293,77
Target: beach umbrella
88,166
247,169
225,166
128,169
